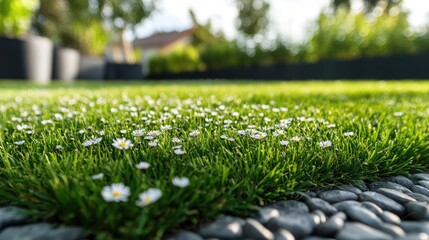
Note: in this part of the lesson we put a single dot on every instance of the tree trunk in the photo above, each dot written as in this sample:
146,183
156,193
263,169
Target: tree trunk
127,49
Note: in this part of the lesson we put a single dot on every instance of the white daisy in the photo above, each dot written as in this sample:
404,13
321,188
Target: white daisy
97,176
296,139
259,135
122,143
117,192
398,114
148,197
284,143
22,127
166,128
349,134
179,151
180,182
87,143
242,132
194,133
325,144
19,142
142,165
138,133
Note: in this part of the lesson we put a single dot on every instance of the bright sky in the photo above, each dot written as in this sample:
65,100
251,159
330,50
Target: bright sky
291,18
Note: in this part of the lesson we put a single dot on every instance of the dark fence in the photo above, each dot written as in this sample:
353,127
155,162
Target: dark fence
383,68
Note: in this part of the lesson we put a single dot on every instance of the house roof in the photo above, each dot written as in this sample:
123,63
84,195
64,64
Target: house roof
161,39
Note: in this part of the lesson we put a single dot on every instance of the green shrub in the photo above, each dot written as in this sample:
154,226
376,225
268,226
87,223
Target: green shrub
90,38
15,16
347,35
223,55
182,59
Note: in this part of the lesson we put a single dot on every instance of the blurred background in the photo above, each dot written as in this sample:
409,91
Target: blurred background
264,39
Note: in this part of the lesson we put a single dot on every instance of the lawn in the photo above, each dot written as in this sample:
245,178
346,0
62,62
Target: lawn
116,158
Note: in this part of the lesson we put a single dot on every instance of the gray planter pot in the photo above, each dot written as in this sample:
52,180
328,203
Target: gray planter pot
66,64
29,58
38,59
91,68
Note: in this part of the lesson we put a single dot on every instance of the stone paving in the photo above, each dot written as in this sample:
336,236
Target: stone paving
393,208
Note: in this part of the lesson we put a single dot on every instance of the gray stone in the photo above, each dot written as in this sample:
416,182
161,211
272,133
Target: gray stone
401,180
345,204
415,227
317,238
359,231
421,190
330,227
254,230
322,205
299,224
334,196
12,216
390,185
311,194
392,230
415,236
419,197
290,206
424,183
350,188
363,215
372,207
418,210
283,234
41,231
361,185
318,217
266,213
223,228
399,197
383,202
421,176
184,235
341,215
390,217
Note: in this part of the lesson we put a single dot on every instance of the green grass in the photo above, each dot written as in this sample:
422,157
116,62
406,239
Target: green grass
227,176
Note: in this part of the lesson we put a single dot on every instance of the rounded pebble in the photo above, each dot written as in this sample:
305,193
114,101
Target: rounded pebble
334,196
383,202
399,197
322,205
417,210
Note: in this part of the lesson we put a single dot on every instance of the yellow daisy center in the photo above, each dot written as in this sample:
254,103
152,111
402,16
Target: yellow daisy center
147,200
116,193
122,144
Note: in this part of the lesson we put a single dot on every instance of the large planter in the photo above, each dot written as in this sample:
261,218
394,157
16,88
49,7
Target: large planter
123,71
29,58
66,64
91,68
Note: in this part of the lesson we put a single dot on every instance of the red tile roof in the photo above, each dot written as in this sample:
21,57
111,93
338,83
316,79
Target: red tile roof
161,39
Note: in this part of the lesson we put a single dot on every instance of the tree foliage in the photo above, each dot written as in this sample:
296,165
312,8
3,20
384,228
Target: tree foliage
369,5
52,19
252,17
203,33
15,16
121,15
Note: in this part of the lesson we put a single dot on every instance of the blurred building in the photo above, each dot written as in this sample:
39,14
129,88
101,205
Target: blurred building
161,43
